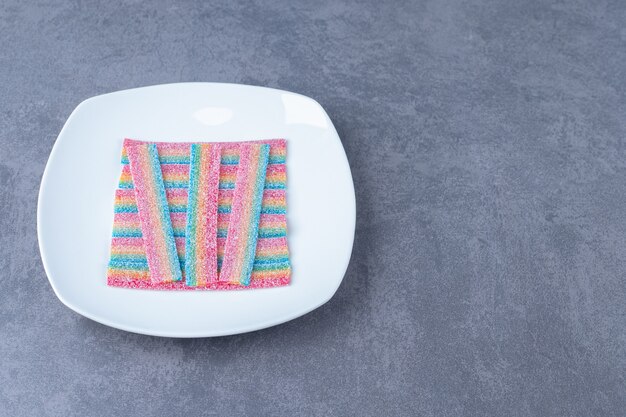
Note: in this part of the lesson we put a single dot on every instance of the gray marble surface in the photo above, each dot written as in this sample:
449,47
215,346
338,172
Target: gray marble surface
487,144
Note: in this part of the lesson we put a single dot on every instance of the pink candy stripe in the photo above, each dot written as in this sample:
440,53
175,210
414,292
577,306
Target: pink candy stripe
126,217
271,242
174,169
228,193
183,147
127,241
176,192
180,286
272,218
178,217
276,169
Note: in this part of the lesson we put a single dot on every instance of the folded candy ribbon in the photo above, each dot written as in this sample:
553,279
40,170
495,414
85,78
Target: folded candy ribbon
200,216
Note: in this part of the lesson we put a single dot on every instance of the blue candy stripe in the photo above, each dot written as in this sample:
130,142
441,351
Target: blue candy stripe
127,232
268,260
272,233
264,209
271,266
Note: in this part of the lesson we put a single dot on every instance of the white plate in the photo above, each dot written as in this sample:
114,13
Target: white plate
75,209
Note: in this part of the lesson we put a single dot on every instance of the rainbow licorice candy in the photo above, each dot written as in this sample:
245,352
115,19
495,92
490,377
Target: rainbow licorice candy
200,216
246,209
201,230
154,213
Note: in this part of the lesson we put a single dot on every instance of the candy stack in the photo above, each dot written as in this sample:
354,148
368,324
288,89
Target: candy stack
200,216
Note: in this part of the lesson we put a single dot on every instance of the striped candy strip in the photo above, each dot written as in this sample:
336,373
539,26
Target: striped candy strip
244,218
154,215
201,230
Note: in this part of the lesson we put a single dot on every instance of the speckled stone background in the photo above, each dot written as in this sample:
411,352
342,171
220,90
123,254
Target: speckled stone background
487,141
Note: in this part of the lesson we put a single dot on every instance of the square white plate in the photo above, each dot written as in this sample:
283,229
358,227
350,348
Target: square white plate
75,209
